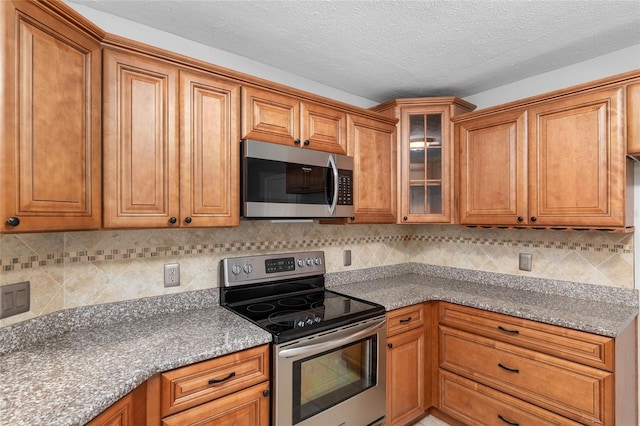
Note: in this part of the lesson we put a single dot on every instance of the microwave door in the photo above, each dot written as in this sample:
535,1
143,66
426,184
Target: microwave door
333,169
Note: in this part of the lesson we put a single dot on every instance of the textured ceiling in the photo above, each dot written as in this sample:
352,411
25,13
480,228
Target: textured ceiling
381,50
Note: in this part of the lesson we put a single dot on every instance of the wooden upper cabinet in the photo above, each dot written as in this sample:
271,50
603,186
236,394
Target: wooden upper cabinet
372,144
141,182
557,163
50,119
273,117
425,150
633,120
492,169
209,150
171,145
577,164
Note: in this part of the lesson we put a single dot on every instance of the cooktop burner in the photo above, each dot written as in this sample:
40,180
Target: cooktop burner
285,295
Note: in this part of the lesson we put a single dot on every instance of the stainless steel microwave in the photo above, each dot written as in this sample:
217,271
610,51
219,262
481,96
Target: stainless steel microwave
282,182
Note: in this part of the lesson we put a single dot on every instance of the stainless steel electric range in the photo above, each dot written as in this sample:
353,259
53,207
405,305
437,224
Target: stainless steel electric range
328,359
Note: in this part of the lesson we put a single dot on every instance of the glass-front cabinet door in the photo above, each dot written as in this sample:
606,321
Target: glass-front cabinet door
426,165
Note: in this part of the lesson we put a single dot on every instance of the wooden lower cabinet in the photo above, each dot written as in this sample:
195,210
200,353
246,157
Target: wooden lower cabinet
248,407
495,370
405,365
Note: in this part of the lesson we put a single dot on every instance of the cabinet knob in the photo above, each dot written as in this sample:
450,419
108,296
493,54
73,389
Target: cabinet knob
172,220
390,345
306,143
13,221
353,218
265,393
297,141
533,218
405,218
187,219
520,218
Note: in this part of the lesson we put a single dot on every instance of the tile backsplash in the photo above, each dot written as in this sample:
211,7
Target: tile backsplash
74,269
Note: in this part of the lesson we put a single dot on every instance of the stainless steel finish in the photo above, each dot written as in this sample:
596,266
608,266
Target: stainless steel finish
330,339
365,408
282,153
336,185
251,269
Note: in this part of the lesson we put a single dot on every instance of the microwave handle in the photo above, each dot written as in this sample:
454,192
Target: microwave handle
336,183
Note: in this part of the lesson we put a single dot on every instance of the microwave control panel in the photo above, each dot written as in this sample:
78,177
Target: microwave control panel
345,187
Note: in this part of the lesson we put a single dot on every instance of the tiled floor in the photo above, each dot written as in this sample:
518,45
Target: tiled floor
431,421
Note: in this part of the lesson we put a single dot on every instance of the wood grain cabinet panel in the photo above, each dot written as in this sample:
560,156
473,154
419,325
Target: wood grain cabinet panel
633,120
189,386
278,118
130,410
492,169
426,157
248,407
405,377
51,104
209,150
141,182
171,145
577,161
372,144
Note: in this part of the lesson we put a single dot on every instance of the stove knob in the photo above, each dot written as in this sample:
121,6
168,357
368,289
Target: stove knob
235,269
317,319
318,261
309,261
300,323
301,263
247,268
309,321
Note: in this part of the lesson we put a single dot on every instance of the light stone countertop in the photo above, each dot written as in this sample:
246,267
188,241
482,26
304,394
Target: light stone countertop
67,367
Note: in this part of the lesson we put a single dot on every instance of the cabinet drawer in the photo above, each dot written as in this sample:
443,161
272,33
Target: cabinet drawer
404,319
475,404
248,407
572,390
189,386
585,348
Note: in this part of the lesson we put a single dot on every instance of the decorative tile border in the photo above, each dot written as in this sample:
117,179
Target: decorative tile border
84,256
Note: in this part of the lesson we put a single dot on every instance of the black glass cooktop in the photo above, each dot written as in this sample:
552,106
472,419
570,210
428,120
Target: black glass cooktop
303,312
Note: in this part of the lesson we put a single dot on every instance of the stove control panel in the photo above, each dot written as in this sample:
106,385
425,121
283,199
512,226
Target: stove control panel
271,267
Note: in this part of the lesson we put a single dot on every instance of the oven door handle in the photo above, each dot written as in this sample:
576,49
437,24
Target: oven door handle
333,341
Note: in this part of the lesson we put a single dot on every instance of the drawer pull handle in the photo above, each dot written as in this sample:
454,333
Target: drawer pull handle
512,370
506,330
214,381
507,421
404,321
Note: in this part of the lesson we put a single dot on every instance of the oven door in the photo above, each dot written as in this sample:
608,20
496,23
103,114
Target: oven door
332,378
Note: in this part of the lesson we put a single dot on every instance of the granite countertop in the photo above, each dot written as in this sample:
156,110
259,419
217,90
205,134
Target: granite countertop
68,367
70,379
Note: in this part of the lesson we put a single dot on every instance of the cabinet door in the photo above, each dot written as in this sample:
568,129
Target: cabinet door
324,128
493,186
577,161
633,119
373,147
405,377
248,407
209,151
141,180
425,191
50,120
270,117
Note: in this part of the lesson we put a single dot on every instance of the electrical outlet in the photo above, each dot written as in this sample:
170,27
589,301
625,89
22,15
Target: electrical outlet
346,258
15,299
171,274
526,261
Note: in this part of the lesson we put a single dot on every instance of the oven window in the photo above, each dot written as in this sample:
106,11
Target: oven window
324,380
